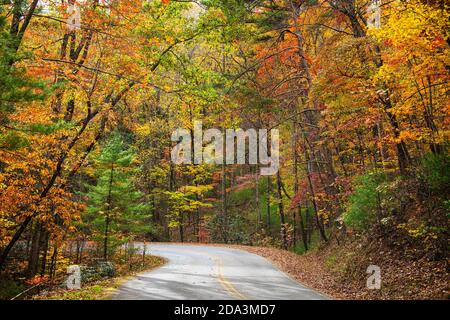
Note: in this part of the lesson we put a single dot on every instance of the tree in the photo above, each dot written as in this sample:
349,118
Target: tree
115,207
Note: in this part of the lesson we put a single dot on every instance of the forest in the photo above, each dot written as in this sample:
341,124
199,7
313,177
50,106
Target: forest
91,92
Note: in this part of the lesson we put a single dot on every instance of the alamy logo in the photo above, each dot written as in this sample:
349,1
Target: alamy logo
374,14
74,18
374,279
227,146
74,279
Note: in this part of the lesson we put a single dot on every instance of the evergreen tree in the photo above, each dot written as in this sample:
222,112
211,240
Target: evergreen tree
14,85
115,208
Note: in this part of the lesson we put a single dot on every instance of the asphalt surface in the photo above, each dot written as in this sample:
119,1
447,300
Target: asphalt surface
195,272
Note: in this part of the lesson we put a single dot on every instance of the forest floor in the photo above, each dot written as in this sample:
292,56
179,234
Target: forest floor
340,271
102,288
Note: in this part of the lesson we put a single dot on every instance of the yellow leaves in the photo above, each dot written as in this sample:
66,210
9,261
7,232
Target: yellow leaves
414,70
386,73
32,113
415,230
154,41
408,135
143,130
324,215
5,222
197,190
170,40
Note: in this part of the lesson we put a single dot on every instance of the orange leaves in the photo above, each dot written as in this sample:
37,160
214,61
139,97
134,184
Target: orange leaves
36,280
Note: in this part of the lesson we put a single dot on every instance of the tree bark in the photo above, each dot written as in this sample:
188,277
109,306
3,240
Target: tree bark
281,212
33,259
258,211
268,190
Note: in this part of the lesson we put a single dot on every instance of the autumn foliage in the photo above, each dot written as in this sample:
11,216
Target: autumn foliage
363,114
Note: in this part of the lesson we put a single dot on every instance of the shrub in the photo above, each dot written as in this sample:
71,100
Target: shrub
10,288
435,171
106,269
363,203
229,229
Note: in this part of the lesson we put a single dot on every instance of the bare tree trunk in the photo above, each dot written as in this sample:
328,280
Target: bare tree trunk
319,224
16,30
197,222
181,229
44,252
268,190
52,270
144,248
258,211
33,259
224,204
296,186
281,212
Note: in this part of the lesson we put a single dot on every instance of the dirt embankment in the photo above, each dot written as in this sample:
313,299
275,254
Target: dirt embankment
340,272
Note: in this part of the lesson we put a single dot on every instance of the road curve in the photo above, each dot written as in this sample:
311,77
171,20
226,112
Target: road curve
196,272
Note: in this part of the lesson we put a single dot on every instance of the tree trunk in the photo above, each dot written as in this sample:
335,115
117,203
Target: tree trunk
268,190
224,203
295,138
258,211
33,259
44,252
319,224
281,212
181,229
52,270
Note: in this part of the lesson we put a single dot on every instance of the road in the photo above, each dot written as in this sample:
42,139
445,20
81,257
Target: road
195,272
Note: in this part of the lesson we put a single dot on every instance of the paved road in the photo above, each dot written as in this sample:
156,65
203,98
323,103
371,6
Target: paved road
208,273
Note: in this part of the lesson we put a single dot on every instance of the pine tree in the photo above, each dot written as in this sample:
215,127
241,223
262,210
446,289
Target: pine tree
115,208
15,86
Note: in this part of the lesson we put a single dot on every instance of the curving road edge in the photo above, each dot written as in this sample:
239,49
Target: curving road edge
196,272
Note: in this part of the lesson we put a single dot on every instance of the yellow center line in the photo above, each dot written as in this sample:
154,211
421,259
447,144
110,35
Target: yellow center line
227,284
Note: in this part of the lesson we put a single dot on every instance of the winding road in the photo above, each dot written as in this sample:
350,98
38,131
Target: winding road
195,272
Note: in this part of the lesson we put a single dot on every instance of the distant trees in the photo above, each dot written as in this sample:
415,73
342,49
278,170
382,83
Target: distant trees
352,101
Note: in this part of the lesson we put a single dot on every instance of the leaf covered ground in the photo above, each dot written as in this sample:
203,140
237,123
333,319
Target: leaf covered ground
340,271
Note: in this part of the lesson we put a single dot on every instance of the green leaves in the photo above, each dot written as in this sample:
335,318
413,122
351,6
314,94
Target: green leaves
13,140
114,195
15,86
434,169
49,128
365,201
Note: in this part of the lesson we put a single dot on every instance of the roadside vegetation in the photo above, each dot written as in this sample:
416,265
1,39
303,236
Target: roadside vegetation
103,285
